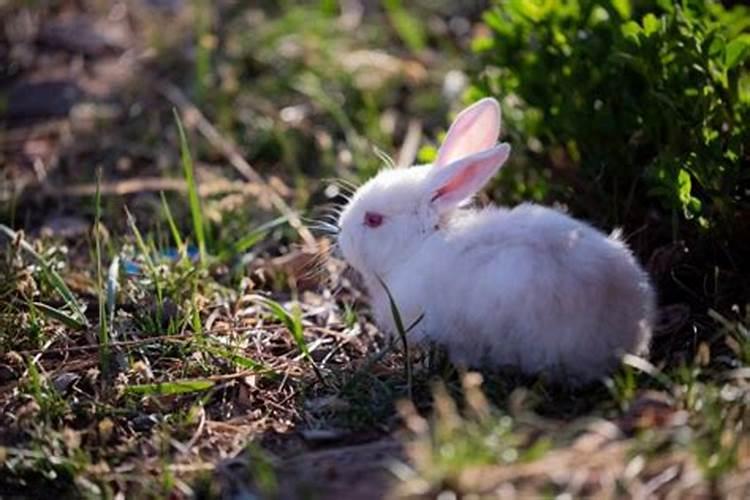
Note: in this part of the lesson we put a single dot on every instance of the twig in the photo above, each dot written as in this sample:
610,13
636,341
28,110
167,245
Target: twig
191,114
130,343
410,147
198,431
147,184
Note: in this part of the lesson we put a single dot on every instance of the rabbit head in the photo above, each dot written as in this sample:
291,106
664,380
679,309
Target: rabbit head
392,214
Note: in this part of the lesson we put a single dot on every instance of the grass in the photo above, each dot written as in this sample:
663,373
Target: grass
293,323
105,324
195,204
74,316
218,355
402,331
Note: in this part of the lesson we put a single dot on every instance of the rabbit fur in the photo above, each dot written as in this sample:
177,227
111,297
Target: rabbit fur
527,287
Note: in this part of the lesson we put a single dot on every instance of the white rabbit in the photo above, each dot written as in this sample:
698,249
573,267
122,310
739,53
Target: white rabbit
527,287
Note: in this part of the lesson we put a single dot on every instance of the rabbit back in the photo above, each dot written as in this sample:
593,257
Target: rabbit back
528,287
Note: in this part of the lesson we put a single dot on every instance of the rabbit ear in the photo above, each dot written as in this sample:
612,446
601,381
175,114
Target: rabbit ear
475,129
459,181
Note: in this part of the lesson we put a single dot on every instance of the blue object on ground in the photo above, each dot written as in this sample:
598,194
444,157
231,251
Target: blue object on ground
132,267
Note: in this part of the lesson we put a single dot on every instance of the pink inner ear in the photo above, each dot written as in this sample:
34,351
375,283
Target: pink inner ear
475,129
458,181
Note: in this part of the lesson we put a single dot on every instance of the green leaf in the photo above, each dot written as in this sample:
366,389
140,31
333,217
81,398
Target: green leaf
482,44
170,388
684,187
651,24
59,315
737,50
534,10
666,5
623,8
427,154
329,7
695,205
631,30
689,203
743,87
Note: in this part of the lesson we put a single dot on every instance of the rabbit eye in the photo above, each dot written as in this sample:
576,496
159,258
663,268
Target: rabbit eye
373,219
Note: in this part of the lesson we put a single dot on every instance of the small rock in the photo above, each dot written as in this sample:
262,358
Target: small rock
64,381
42,99
7,373
143,423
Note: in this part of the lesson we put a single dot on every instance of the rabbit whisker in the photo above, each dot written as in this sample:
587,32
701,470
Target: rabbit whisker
324,228
384,157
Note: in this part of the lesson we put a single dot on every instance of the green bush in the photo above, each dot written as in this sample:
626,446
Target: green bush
638,101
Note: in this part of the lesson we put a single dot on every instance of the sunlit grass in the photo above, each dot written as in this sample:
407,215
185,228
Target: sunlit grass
105,325
196,212
293,323
73,315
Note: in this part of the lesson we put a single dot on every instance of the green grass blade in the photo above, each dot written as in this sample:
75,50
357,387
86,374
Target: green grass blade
103,318
238,359
202,29
408,27
253,237
51,275
394,310
170,388
415,323
35,379
194,199
195,316
61,316
293,322
150,267
176,236
402,332
140,242
247,242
